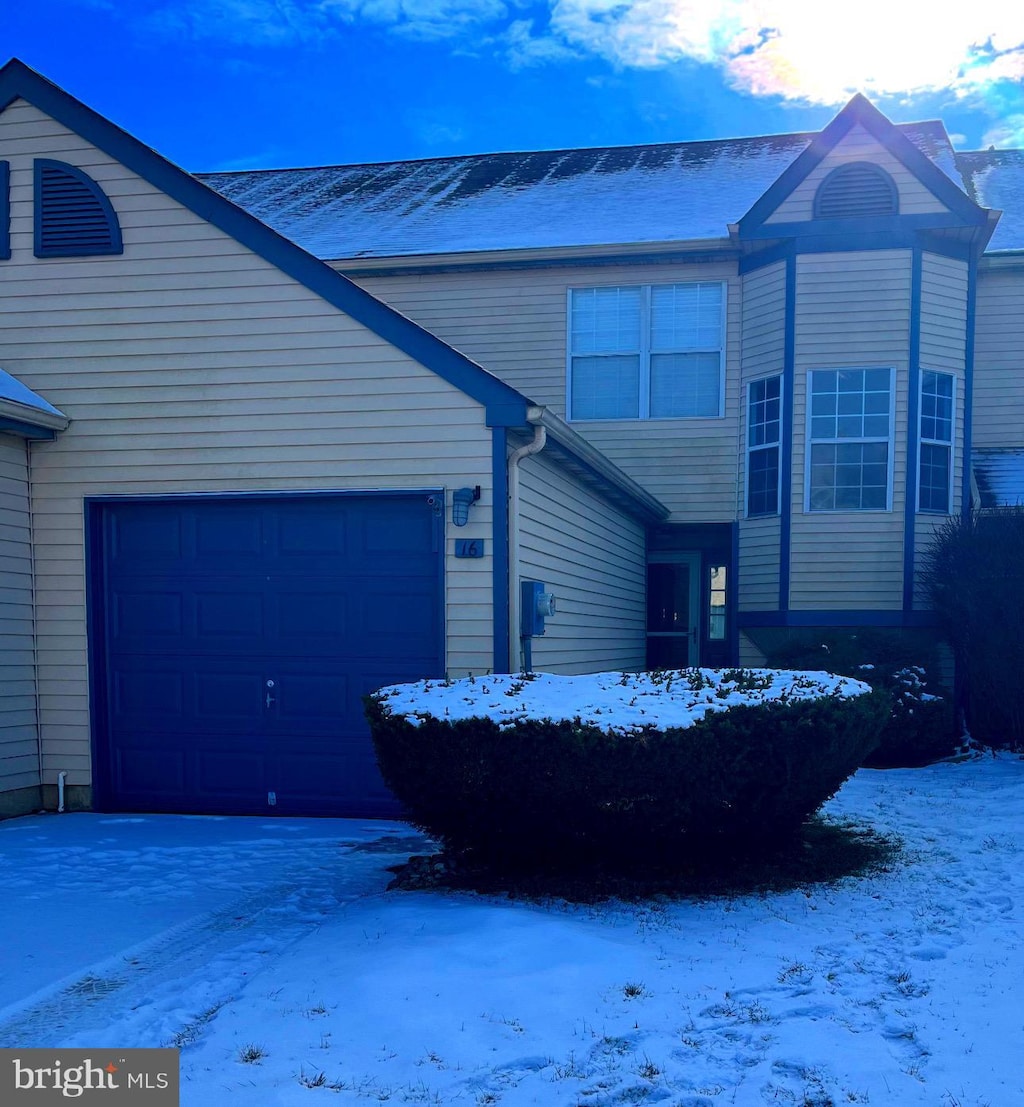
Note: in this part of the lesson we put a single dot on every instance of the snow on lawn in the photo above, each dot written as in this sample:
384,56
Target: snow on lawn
898,989
621,702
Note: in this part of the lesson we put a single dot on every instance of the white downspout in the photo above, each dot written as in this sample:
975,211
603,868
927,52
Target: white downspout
540,438
61,777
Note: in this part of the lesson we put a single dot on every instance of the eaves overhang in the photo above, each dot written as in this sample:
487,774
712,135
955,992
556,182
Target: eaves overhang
590,465
692,251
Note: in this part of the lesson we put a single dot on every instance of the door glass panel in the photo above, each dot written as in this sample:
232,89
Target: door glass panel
668,597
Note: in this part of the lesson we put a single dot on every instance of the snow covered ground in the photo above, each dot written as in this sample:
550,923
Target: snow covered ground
272,940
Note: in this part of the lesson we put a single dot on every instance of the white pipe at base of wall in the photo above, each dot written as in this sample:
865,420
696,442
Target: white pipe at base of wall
61,777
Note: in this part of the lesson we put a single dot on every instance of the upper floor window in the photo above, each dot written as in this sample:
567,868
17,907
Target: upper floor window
856,190
936,448
849,440
764,426
647,351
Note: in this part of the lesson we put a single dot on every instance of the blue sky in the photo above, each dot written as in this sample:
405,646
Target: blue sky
220,84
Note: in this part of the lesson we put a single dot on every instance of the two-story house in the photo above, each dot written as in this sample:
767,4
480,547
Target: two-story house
271,439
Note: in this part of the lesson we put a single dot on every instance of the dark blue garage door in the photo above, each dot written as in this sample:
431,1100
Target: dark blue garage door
236,637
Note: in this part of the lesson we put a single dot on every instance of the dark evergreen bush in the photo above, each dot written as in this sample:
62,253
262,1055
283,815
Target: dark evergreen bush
553,795
973,573
921,726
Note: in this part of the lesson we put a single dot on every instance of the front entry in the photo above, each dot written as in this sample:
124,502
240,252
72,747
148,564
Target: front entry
673,610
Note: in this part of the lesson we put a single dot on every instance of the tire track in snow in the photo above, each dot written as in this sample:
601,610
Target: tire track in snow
164,990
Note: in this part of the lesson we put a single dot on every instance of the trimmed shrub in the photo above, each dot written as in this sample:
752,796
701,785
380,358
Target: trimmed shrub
921,726
972,575
540,794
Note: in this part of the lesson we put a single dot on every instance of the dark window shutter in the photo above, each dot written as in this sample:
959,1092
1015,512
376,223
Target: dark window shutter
5,210
856,190
74,218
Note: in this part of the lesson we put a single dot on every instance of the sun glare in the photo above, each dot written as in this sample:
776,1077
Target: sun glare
810,49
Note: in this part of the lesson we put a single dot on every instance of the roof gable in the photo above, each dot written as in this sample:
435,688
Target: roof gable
505,406
859,131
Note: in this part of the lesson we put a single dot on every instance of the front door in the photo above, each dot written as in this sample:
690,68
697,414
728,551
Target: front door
673,610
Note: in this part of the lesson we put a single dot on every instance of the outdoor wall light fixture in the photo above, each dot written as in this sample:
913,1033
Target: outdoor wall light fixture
462,500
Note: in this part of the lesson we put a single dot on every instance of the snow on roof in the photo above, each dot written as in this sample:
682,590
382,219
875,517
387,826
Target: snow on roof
13,390
672,192
995,179
1000,476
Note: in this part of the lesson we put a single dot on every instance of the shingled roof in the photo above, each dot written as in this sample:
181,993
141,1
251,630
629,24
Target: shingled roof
995,179
671,192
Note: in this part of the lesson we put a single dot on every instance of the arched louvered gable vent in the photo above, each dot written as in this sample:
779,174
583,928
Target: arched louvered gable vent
74,218
856,190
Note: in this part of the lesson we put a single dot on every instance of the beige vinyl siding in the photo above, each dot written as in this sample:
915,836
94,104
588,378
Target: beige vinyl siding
999,359
593,558
943,349
751,654
189,364
19,751
852,311
857,145
764,329
759,564
513,322
764,320
943,313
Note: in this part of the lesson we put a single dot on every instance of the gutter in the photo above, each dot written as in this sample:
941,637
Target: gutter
540,438
625,491
33,416
693,249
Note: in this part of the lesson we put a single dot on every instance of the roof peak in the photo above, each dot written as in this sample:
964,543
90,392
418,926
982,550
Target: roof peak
776,137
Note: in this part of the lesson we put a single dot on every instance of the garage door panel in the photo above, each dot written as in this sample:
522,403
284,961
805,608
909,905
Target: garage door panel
238,613
238,532
209,601
303,531
142,692
147,772
146,534
388,613
231,779
149,613
234,699
312,613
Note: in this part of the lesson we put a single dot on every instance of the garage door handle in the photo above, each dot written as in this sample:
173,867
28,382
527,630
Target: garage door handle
270,698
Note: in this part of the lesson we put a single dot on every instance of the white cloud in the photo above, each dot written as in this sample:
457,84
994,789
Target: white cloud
1008,133
523,47
807,49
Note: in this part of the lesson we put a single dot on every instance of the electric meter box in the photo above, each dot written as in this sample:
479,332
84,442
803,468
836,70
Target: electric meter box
535,605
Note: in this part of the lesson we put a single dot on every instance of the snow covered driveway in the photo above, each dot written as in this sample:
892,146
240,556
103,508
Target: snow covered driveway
132,930
268,951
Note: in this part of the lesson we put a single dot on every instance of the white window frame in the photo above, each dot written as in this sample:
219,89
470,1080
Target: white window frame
922,441
645,353
811,442
767,445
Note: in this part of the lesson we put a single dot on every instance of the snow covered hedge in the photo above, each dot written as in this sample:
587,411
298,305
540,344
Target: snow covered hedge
542,770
